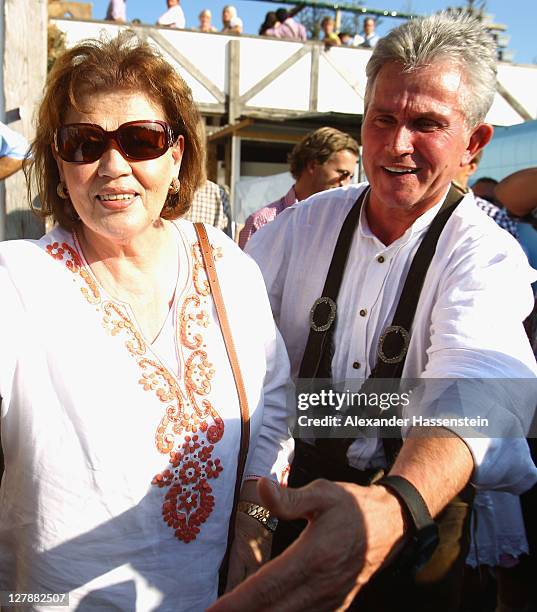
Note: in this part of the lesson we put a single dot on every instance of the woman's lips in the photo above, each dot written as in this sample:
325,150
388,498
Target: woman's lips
116,201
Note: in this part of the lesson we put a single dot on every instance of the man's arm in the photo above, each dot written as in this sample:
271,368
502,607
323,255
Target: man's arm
247,231
323,570
271,443
13,149
9,166
518,192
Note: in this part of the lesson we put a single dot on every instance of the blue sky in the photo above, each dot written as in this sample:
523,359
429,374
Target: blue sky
520,16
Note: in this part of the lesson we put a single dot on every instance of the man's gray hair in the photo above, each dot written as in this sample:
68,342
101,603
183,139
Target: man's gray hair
444,36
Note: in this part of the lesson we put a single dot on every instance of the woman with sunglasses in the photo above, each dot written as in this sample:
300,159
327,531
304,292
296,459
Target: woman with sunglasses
120,418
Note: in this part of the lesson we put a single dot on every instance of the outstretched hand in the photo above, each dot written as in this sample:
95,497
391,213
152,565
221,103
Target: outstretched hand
351,532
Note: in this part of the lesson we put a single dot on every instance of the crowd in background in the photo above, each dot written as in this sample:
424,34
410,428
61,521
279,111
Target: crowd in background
279,24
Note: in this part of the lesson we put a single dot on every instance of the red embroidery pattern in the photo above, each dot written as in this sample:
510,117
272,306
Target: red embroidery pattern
190,426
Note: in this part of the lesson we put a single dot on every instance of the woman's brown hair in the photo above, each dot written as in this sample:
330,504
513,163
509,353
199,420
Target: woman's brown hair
124,63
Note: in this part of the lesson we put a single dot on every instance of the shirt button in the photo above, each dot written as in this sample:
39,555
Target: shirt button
381,259
363,312
356,365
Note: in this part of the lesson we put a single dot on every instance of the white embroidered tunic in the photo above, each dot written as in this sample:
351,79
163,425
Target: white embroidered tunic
120,453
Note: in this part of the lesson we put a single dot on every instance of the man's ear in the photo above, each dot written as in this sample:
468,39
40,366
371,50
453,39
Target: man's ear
479,138
311,167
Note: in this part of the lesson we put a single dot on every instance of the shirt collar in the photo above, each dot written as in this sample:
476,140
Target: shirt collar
290,197
421,223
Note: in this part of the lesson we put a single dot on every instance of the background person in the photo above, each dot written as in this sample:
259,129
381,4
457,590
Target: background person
117,11
330,37
231,22
369,34
346,39
484,188
518,193
117,392
323,159
269,25
289,28
13,150
174,17
205,21
210,205
499,214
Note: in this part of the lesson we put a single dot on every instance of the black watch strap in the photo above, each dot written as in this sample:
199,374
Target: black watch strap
411,500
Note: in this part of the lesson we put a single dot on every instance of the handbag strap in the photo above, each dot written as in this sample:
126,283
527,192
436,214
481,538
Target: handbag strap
212,277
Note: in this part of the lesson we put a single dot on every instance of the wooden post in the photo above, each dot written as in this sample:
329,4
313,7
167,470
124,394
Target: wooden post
314,79
232,147
212,162
24,52
233,67
235,163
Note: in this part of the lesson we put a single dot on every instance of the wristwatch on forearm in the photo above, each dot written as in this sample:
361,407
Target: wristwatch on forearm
423,530
260,513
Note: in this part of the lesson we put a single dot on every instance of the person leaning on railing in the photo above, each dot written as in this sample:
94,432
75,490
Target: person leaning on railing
518,193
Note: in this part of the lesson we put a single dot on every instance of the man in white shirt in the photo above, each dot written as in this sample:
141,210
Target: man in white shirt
117,11
430,85
370,38
173,17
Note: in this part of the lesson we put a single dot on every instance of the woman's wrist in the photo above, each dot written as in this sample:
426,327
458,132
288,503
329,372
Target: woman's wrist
259,513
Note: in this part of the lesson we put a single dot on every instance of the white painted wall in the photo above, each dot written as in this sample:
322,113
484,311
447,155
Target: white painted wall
341,71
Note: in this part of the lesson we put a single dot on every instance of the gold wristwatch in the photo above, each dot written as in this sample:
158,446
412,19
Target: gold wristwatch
259,513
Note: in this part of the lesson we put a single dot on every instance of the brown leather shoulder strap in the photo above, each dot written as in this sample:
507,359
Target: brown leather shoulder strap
210,269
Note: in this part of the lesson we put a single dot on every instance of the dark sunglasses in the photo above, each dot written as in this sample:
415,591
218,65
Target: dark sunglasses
85,143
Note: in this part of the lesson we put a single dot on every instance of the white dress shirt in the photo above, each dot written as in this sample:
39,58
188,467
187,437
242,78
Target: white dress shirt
174,17
12,144
468,323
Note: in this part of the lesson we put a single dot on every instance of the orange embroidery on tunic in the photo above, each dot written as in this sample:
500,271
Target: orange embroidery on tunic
198,274
189,500
189,318
190,426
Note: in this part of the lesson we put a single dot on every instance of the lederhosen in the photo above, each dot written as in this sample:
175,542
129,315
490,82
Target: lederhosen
437,585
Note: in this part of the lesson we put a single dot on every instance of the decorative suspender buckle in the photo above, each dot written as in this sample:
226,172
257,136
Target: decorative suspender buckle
322,314
398,340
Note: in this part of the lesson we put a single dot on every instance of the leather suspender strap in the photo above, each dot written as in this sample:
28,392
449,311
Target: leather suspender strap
393,343
316,362
210,269
324,310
